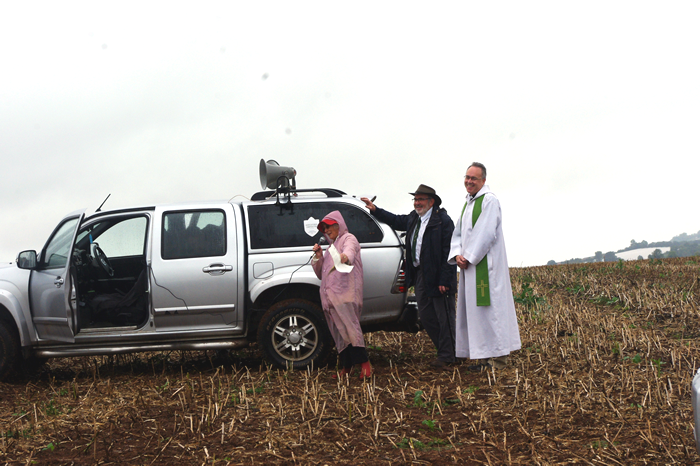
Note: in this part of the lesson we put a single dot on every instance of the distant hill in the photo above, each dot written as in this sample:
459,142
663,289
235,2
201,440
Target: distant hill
683,245
644,253
686,237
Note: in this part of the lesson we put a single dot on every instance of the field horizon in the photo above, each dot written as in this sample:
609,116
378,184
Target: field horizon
603,377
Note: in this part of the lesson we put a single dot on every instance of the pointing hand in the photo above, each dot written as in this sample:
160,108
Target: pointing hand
369,204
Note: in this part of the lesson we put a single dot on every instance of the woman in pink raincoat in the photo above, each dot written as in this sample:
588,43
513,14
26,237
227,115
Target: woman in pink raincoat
341,293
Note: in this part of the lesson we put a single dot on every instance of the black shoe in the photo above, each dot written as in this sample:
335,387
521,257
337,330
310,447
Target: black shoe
480,367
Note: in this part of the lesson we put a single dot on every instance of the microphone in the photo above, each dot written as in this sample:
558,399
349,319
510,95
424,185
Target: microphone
321,241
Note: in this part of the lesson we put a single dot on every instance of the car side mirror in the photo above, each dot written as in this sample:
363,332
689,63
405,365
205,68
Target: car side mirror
26,260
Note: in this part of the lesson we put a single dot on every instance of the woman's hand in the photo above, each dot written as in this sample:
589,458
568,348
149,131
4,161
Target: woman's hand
344,259
318,251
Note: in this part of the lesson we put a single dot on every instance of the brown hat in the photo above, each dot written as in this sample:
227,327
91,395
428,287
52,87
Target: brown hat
423,189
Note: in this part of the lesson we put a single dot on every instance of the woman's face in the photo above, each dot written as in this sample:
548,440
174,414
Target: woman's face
332,231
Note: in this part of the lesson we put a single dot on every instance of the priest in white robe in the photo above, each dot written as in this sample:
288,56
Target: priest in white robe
487,326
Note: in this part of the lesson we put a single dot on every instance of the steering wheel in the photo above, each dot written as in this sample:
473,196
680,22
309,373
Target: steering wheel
100,257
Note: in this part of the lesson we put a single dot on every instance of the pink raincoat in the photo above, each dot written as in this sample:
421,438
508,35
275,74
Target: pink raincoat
341,293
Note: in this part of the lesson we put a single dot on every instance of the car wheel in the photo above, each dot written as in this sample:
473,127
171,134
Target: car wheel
9,350
32,365
293,334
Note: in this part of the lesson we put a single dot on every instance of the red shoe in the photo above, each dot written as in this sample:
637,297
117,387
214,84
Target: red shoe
343,372
366,371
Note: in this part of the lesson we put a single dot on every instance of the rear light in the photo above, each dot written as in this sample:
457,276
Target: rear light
400,280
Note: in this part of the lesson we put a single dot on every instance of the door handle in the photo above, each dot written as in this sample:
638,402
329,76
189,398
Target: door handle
58,282
217,269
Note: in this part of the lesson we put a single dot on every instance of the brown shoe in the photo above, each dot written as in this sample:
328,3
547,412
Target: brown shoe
500,362
438,363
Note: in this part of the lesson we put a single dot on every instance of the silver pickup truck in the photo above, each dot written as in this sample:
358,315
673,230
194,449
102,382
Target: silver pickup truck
199,276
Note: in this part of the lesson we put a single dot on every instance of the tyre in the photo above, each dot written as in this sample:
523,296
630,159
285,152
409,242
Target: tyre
293,334
31,366
9,350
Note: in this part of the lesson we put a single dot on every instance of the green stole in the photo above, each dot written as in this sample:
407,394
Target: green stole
483,296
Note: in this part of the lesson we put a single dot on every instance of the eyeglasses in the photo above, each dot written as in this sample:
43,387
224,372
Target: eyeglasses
421,199
471,178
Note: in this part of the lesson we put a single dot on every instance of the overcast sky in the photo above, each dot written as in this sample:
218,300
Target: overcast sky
586,114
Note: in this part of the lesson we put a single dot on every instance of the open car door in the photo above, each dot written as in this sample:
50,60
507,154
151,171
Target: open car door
51,287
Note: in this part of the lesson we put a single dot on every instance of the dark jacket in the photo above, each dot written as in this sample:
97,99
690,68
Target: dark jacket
434,249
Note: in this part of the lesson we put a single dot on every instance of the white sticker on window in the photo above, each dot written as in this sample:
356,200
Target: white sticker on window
311,226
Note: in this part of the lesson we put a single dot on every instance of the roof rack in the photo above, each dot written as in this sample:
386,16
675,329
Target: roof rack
329,192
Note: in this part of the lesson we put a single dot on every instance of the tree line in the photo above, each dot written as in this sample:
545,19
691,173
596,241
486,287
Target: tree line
683,245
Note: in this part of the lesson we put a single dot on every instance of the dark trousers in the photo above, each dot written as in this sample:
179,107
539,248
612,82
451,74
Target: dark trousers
352,355
437,315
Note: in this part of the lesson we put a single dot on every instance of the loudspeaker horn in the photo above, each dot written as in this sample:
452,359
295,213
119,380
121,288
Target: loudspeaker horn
274,176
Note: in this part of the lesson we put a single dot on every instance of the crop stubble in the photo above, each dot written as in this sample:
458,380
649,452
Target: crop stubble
609,351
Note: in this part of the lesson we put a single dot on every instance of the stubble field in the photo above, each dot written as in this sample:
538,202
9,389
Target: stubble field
609,351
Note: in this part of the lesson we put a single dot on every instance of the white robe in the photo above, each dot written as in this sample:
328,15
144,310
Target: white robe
484,331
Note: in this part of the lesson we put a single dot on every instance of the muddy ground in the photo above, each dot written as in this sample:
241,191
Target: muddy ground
609,351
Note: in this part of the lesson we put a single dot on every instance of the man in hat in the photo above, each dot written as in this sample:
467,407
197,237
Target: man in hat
429,230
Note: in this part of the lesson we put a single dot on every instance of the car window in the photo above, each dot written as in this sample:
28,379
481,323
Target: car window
123,238
273,226
193,234
58,247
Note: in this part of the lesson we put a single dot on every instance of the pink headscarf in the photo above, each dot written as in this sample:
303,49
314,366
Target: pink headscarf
341,293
